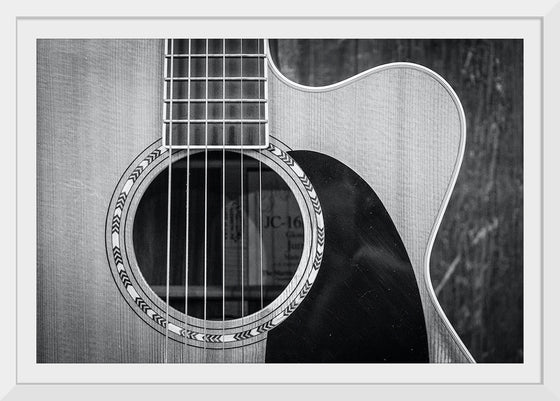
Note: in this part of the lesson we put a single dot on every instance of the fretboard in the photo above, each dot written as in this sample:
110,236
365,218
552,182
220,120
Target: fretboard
215,93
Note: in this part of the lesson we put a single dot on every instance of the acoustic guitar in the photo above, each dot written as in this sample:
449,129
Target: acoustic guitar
196,206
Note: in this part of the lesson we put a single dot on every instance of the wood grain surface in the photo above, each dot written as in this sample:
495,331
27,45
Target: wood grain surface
99,106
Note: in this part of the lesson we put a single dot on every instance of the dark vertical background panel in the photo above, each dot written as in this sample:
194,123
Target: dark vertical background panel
477,260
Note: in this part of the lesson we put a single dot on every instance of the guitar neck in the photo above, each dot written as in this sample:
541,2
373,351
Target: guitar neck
215,94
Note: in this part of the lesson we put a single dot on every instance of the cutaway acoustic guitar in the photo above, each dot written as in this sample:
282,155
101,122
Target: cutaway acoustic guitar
195,205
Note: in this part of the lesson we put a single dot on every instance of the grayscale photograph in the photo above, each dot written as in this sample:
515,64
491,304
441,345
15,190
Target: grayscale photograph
309,201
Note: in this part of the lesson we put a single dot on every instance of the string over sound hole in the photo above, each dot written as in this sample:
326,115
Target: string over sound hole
250,269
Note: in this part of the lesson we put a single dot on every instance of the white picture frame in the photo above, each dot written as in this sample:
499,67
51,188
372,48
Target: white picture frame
23,379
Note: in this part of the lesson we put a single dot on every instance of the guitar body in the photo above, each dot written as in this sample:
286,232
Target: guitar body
381,150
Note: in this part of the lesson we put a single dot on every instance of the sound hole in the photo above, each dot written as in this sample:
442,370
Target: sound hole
245,291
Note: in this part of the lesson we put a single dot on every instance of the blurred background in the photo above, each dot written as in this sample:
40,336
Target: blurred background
477,259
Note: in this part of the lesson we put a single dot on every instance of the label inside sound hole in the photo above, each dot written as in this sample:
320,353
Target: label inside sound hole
282,236
282,239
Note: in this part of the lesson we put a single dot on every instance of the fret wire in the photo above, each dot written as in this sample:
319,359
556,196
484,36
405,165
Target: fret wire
215,55
217,145
246,121
215,100
215,78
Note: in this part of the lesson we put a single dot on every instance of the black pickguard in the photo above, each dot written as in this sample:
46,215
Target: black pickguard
364,305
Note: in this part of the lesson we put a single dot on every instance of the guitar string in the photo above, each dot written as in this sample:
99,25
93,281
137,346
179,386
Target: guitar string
187,193
223,198
242,203
206,204
169,207
242,167
260,173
